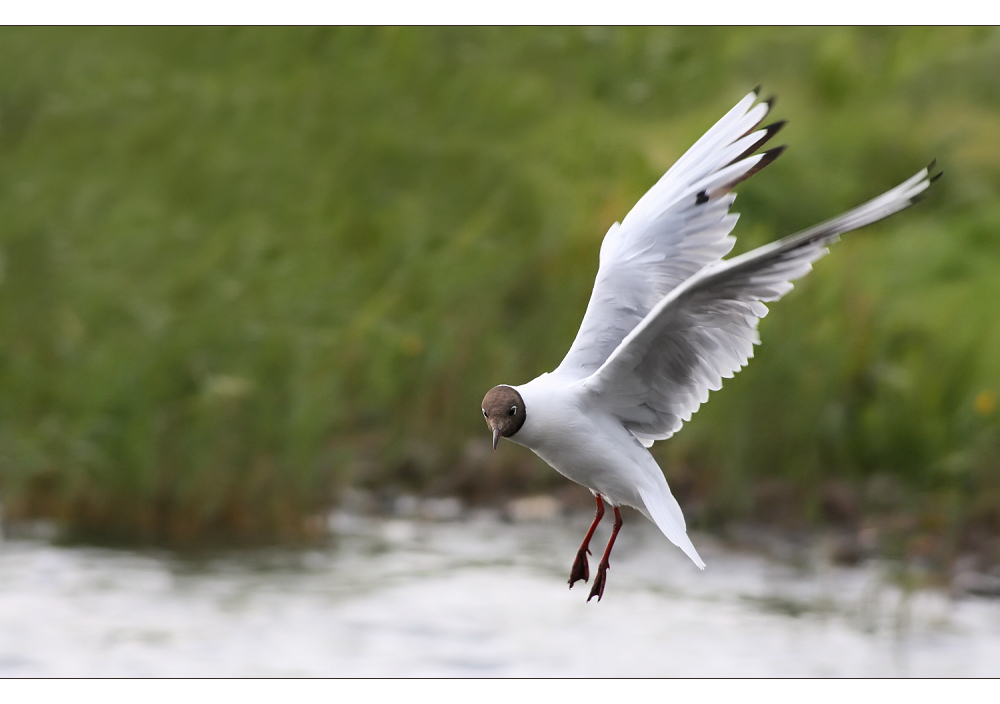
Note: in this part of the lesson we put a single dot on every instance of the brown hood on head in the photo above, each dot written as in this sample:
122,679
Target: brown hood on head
504,411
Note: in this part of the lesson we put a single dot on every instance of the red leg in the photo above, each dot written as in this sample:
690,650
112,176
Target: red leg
581,570
602,568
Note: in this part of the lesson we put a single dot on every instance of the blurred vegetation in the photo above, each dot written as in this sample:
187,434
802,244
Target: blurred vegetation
241,269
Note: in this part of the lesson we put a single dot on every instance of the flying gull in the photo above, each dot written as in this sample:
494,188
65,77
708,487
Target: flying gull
668,319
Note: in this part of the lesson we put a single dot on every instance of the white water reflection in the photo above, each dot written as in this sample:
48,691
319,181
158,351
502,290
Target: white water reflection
468,598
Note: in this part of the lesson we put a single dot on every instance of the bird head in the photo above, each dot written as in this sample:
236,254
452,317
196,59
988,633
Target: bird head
504,411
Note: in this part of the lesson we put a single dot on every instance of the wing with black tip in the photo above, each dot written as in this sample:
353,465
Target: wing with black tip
679,226
704,330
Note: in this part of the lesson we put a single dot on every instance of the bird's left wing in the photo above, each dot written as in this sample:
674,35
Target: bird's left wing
681,224
704,330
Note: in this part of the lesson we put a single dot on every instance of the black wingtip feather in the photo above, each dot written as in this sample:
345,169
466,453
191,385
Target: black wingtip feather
765,159
920,196
930,166
770,104
702,197
756,91
770,155
769,132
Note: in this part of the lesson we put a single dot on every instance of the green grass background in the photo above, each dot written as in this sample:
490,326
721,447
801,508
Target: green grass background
241,269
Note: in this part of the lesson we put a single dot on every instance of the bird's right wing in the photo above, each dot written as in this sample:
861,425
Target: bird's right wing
704,330
681,224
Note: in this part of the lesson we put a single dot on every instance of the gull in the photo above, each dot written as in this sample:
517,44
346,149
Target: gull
668,319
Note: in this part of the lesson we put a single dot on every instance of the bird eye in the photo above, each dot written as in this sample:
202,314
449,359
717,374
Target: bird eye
485,415
513,410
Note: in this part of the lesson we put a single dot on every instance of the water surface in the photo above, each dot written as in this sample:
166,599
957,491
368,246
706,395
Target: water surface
472,597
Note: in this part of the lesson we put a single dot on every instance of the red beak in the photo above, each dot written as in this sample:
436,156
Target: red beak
496,438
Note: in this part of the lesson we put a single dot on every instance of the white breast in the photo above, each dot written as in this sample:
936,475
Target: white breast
583,444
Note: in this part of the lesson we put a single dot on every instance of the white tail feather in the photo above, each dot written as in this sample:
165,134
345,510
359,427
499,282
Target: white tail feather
665,512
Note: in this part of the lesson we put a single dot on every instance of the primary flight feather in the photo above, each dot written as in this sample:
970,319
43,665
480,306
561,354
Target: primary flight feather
668,319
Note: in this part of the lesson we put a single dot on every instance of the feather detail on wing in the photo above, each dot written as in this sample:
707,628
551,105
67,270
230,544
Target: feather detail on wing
704,330
681,224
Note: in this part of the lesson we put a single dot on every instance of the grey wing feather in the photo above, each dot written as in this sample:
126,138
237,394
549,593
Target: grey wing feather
704,330
681,224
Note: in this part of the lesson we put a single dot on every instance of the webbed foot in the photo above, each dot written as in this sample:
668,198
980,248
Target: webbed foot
581,568
599,581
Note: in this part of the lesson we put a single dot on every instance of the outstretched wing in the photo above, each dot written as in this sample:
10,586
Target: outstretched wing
705,329
679,226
